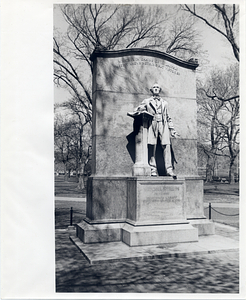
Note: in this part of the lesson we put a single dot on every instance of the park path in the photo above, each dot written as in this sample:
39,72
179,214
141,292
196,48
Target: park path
203,273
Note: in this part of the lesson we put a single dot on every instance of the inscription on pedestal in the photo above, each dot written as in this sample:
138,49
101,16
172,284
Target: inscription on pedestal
160,201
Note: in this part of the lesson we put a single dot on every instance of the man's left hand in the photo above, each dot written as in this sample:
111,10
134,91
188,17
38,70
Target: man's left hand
174,134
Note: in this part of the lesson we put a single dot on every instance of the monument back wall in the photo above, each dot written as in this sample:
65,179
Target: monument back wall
121,80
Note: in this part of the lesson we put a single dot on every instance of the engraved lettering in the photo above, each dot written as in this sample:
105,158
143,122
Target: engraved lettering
143,61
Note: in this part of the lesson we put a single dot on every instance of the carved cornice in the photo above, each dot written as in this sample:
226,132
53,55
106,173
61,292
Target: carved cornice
191,64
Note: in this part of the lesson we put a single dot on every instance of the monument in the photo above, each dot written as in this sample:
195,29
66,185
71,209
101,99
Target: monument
134,194
160,127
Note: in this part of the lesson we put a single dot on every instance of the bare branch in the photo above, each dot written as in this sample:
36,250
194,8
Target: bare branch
228,24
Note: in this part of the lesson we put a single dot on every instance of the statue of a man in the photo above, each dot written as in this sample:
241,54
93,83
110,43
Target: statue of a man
161,127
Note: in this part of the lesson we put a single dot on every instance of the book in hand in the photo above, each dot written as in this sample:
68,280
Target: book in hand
137,113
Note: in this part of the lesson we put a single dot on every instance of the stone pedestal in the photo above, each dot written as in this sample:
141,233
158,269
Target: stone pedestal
155,200
156,212
130,209
195,206
159,234
106,209
141,124
99,233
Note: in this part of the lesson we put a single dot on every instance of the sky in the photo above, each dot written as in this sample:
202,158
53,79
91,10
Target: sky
219,51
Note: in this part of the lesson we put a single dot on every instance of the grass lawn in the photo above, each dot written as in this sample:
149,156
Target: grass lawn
221,188
68,188
62,213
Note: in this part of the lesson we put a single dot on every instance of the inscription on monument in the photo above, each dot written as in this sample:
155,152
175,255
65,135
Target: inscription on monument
153,62
160,202
162,193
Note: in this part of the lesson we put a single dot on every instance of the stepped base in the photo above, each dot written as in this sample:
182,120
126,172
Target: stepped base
204,226
158,234
99,233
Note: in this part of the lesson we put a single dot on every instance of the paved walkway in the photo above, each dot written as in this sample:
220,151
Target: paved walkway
215,272
81,199
119,251
205,271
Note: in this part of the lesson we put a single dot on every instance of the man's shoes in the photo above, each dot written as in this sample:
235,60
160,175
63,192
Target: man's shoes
171,173
153,173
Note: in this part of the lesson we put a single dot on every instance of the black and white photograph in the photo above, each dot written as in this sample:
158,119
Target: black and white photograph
122,150
146,137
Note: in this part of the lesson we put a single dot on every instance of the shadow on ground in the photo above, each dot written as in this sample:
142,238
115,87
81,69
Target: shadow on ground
207,273
62,213
218,188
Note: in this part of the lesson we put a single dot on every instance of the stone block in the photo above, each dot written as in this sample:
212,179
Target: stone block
111,113
106,199
185,151
183,112
158,234
155,201
141,170
98,233
194,197
136,73
204,226
121,81
113,157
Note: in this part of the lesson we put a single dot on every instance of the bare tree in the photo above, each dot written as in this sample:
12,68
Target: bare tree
106,27
82,138
183,38
223,18
63,144
218,117
72,143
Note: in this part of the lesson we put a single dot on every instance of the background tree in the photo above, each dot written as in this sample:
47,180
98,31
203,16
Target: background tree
218,118
223,18
72,144
63,144
105,27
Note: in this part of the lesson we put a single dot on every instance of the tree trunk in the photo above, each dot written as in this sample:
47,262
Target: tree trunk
66,177
231,172
77,175
65,173
81,184
209,170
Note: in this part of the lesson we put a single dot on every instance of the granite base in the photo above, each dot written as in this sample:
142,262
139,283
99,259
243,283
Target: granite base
158,234
204,226
144,211
99,233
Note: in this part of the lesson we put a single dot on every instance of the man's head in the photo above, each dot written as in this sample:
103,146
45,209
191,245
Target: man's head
155,89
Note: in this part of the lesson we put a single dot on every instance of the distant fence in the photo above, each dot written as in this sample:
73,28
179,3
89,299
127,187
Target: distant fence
210,208
72,213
